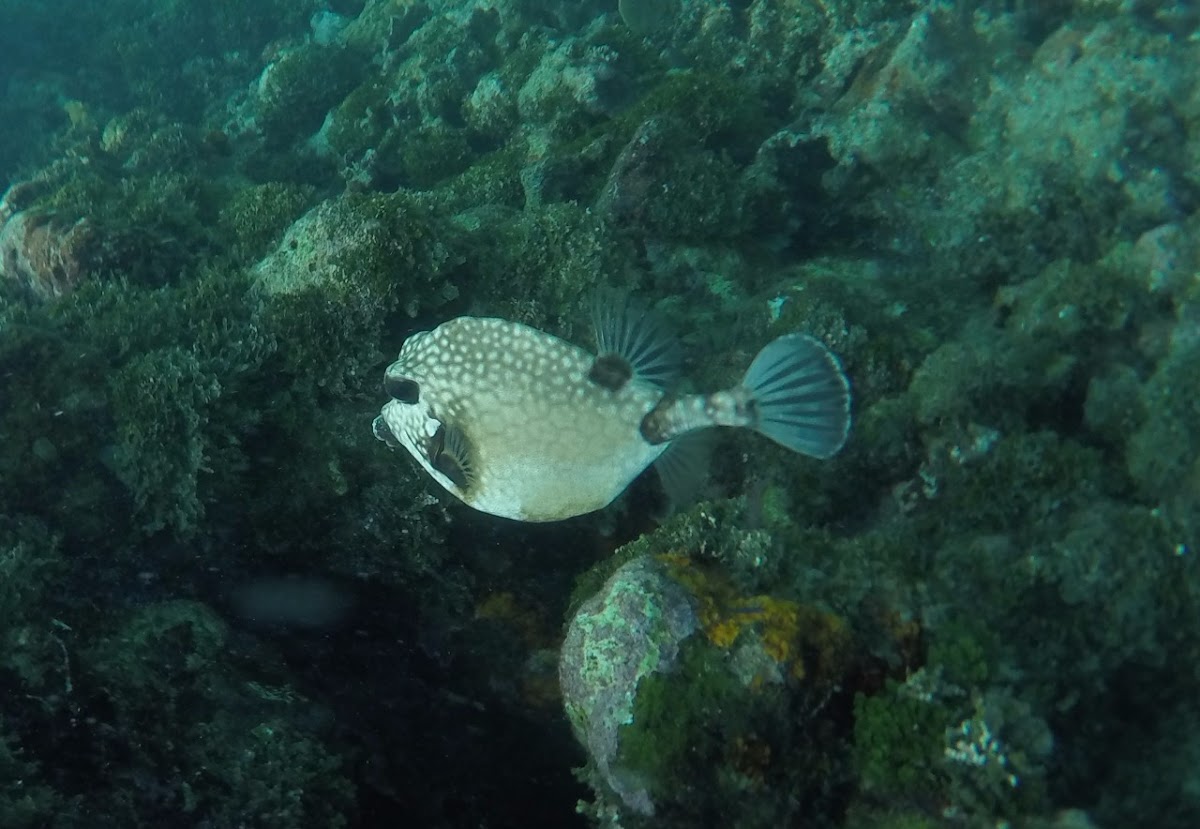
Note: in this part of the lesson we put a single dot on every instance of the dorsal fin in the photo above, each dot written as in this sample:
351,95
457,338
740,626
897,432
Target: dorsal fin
631,341
450,454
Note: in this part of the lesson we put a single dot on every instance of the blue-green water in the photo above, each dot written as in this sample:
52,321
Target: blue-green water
225,603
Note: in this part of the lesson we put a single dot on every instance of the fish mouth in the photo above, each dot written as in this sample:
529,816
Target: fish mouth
383,432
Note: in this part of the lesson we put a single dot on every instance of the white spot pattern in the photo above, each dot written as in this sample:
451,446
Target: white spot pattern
547,443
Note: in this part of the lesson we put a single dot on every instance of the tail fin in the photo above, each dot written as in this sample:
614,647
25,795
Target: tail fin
801,396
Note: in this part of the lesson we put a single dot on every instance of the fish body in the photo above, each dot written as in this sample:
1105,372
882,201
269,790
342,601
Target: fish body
524,425
540,441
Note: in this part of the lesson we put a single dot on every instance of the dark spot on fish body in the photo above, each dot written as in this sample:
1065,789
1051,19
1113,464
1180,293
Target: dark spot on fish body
402,389
657,422
610,371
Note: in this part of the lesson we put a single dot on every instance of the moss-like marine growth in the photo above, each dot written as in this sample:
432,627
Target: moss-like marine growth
148,227
899,739
175,407
889,817
147,383
944,737
703,744
645,17
29,560
529,266
963,652
255,217
682,722
339,273
421,158
708,207
34,671
216,738
492,180
716,109
1163,454
692,127
1018,484
360,121
159,403
299,87
157,660
1078,305
271,768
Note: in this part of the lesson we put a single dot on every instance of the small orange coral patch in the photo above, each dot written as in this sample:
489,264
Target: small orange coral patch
806,641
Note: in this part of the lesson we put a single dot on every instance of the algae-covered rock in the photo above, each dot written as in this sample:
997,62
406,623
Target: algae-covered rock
358,249
295,90
690,696
340,269
632,628
255,216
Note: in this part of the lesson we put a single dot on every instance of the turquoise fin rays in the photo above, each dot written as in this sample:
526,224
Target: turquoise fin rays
800,396
626,329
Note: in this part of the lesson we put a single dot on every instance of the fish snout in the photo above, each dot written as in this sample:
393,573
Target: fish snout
383,432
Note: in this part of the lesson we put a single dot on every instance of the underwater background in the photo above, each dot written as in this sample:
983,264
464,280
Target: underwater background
224,603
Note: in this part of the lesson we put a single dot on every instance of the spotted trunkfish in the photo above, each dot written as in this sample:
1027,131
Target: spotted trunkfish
524,425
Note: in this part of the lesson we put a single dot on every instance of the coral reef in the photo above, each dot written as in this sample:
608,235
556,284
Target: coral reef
221,219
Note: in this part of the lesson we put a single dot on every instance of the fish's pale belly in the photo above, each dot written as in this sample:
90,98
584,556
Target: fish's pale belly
534,487
562,467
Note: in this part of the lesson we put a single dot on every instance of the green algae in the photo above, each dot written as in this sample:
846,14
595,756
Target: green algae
255,217
682,725
165,669
299,87
898,745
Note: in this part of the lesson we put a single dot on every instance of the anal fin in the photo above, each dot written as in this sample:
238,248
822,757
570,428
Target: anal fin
683,467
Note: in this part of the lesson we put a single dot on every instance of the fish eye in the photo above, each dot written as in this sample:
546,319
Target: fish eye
402,388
